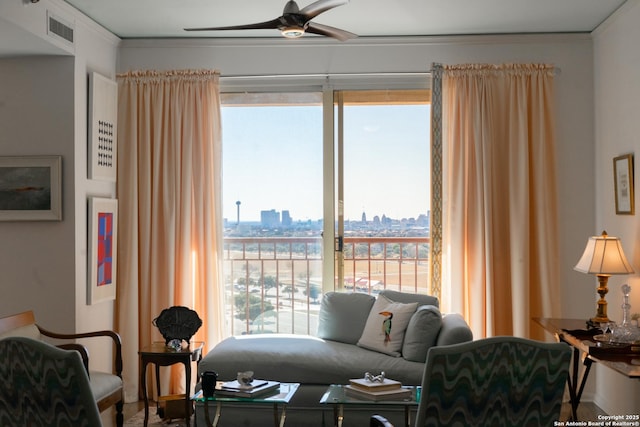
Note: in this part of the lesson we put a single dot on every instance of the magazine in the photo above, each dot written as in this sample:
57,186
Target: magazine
266,388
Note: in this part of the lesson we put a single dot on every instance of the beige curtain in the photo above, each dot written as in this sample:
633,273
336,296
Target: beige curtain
499,197
169,173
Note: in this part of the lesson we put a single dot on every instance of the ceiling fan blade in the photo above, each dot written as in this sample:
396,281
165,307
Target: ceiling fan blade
328,31
267,25
316,8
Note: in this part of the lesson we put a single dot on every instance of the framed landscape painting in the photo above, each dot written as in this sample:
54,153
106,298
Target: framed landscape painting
103,241
31,188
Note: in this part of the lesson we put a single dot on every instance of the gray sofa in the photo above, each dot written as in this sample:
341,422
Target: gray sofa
339,352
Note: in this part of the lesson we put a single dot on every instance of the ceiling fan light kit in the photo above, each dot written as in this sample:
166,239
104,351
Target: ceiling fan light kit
292,32
294,23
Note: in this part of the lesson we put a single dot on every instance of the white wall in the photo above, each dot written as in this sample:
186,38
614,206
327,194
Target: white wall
36,258
95,51
617,132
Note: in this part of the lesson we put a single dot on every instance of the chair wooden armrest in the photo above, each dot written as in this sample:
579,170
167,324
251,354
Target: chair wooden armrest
115,337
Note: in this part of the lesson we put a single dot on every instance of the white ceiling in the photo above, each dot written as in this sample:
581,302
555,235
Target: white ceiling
367,18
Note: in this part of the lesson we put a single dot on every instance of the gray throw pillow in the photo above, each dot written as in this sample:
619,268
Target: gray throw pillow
421,333
343,316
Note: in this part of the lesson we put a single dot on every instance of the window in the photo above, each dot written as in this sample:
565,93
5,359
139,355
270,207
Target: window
311,176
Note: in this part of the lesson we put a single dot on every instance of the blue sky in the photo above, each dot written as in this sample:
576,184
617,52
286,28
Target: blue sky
272,159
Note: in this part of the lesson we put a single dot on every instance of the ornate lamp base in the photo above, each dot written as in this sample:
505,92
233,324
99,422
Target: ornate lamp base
601,313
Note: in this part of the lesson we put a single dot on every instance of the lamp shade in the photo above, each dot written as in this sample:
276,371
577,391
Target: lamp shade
603,255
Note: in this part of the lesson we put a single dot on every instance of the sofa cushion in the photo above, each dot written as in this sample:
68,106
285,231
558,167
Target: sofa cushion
386,325
343,316
421,333
407,297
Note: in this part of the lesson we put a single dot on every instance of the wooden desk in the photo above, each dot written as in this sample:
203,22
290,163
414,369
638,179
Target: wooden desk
573,332
161,355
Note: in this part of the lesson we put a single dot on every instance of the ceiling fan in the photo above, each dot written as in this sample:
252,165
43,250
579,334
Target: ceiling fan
295,22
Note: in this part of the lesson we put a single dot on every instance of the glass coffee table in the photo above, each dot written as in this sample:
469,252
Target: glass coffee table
279,399
336,396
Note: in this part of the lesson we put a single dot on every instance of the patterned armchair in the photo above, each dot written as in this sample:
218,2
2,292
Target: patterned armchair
44,386
493,381
106,387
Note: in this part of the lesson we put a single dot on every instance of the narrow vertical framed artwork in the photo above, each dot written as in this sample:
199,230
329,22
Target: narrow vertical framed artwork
103,241
103,112
623,184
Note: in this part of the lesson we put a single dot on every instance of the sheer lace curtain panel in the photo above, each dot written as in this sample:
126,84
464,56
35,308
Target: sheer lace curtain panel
499,196
169,173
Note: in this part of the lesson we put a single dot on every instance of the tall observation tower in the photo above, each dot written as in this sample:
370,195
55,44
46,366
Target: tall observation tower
238,205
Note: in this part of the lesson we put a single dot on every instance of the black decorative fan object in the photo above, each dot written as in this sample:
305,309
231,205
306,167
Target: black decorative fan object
177,323
295,22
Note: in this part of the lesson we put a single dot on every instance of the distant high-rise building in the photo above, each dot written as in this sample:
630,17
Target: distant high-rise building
270,218
364,217
286,219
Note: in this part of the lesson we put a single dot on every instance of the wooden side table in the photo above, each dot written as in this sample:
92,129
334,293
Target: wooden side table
161,355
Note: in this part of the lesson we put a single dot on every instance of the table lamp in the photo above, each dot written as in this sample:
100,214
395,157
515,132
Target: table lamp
603,257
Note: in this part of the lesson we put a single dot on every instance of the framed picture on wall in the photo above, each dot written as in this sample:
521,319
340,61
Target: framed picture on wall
103,241
623,184
31,188
103,114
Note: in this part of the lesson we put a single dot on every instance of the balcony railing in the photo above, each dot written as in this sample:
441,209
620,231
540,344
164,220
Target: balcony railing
274,284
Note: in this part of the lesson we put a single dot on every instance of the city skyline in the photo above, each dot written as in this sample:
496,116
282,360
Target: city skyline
276,163
291,219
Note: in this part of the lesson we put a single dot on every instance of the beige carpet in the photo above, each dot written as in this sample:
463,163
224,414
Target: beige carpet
154,421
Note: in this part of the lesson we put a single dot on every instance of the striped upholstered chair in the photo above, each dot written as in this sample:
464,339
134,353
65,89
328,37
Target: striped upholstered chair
499,381
44,386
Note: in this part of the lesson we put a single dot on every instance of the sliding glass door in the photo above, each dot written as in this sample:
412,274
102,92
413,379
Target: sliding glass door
382,191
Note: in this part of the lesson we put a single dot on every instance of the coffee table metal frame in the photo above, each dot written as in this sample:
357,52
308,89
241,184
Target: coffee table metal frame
280,399
336,396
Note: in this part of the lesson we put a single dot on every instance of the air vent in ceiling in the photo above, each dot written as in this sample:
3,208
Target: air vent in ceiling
59,28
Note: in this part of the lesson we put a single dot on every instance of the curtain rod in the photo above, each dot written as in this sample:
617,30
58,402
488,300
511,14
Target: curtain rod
557,71
325,75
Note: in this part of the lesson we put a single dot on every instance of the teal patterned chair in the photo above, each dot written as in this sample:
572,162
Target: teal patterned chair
44,386
498,381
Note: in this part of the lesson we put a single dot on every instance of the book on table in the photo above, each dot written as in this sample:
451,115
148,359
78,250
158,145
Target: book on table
258,388
236,385
364,384
397,393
